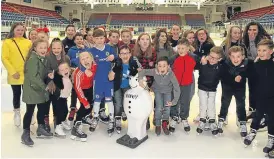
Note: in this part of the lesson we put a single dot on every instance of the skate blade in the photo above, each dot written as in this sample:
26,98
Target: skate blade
26,144
44,137
78,139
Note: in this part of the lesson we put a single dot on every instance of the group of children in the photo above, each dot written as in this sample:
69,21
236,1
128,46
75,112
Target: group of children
97,71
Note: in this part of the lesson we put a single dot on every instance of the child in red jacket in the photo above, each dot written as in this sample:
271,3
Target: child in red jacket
83,85
183,65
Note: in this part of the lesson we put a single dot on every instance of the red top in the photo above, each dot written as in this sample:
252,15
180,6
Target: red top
82,81
183,68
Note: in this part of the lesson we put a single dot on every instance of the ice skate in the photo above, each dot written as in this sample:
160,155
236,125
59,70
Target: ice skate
207,125
103,117
17,117
66,125
172,124
72,114
110,127
59,131
186,125
94,123
226,121
124,116
270,144
77,133
43,132
87,120
201,126
250,137
243,129
158,130
165,127
118,124
25,138
213,127
220,125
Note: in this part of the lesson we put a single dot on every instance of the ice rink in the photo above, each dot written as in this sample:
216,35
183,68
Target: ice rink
100,145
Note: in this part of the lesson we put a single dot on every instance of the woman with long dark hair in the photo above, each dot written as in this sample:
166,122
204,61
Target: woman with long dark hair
253,34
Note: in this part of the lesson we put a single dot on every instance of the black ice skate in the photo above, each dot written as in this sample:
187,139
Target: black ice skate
94,123
103,117
87,120
110,127
250,137
186,125
165,127
118,124
270,144
25,138
213,127
43,131
172,124
201,126
243,129
220,125
77,133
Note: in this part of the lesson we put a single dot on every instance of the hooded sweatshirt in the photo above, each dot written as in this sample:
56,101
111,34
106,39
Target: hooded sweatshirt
68,43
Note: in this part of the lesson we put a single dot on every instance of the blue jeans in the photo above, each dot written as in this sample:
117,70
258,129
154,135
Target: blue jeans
161,110
118,101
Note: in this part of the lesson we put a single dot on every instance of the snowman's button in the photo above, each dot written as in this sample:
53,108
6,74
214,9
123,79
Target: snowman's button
129,112
129,107
129,101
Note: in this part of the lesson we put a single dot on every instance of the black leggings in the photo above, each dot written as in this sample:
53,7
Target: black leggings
73,99
42,110
82,112
53,101
61,110
16,90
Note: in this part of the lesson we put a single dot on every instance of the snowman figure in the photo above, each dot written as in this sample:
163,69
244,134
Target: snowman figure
137,106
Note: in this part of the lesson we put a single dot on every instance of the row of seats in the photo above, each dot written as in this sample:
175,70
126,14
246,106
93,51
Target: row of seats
16,12
254,14
195,19
267,18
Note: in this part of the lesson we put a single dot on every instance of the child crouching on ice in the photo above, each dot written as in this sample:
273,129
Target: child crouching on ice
209,77
83,85
164,83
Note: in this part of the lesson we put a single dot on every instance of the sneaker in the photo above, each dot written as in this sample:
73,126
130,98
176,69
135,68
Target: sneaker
186,125
103,117
270,144
250,137
59,131
17,117
66,125
243,128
